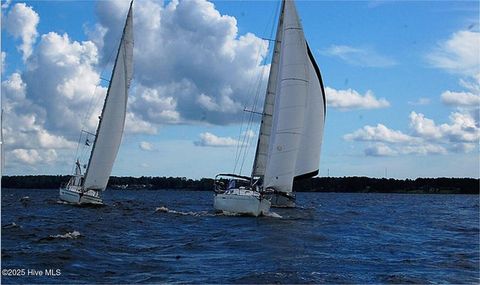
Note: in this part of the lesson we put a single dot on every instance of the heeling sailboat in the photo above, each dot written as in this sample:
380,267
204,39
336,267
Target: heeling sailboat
291,129
299,114
88,188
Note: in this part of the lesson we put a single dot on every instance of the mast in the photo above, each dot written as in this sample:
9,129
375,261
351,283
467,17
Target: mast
261,153
124,53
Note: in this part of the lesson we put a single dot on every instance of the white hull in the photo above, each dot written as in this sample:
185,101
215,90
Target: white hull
75,196
281,201
241,201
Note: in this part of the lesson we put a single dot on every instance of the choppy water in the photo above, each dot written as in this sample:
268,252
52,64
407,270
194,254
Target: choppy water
175,237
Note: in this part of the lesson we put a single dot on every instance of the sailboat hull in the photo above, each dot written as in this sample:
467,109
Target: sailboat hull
75,196
242,202
281,201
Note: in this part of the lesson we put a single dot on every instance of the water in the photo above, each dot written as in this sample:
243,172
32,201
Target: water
175,237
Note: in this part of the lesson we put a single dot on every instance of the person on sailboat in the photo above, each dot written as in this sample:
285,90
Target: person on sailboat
231,184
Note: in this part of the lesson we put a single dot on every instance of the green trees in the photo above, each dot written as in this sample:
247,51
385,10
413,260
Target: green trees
317,184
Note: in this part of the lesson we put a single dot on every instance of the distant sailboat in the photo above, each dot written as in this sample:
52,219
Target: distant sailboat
291,130
88,188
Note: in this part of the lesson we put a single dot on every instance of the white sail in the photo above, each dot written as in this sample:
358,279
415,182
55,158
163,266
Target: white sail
299,97
112,121
261,154
308,157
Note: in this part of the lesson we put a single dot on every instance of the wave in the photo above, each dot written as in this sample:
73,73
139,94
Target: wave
164,209
25,200
10,226
69,235
273,215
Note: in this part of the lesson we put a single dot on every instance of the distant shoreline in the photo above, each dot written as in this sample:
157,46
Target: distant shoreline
317,184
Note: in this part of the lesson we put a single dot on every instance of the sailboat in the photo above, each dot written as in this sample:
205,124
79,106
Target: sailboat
88,188
291,129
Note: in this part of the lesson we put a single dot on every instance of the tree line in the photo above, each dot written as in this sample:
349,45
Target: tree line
316,184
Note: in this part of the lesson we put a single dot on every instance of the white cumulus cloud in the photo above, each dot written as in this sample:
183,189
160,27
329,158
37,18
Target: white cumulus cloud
21,22
462,99
461,134
209,139
378,133
459,54
190,61
350,99
32,156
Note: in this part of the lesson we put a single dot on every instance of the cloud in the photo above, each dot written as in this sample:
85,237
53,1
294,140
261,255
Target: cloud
190,61
461,99
420,102
209,139
462,128
32,156
146,146
153,107
350,99
424,127
461,134
459,54
135,125
24,121
61,78
379,133
191,66
418,149
380,150
365,57
21,22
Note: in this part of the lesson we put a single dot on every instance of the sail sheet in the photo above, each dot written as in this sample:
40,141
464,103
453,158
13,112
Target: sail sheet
112,121
261,154
297,130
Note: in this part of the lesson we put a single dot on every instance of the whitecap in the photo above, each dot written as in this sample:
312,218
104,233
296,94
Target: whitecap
164,209
70,235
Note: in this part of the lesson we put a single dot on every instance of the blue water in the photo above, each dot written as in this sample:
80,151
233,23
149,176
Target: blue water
330,238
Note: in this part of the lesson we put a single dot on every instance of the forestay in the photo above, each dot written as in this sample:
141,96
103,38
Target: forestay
261,153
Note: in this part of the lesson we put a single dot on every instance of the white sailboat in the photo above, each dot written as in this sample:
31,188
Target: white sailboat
291,129
88,188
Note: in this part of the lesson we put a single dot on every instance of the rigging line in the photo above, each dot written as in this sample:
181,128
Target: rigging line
238,148
275,15
76,152
241,147
246,137
251,119
95,99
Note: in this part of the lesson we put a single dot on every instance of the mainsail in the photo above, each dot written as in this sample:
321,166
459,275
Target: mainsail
299,108
112,121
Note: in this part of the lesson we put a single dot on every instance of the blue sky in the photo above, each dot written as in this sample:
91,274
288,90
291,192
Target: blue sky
402,78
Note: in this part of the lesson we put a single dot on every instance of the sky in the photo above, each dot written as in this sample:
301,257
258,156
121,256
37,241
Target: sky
402,82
